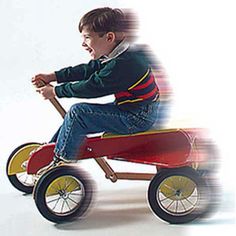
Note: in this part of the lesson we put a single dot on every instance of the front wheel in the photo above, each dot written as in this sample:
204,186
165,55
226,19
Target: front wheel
63,193
178,195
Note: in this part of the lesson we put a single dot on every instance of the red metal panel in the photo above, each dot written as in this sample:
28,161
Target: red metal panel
165,148
168,148
41,158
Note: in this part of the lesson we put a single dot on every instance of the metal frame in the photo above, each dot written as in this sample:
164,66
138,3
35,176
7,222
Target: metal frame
114,176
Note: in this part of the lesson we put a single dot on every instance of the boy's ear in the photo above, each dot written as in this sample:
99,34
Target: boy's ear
111,37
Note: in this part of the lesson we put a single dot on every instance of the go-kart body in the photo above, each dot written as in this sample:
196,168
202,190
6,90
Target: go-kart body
168,148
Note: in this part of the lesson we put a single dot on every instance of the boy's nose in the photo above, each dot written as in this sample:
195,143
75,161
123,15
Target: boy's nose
84,44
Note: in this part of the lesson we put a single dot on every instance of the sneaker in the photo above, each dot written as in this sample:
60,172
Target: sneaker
56,162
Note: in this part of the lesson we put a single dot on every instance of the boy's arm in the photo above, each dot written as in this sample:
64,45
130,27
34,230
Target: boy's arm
116,76
77,73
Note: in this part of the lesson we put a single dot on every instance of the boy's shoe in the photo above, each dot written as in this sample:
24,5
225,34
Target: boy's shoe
56,162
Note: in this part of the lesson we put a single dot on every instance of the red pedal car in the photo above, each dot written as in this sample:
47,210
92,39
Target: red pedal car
180,191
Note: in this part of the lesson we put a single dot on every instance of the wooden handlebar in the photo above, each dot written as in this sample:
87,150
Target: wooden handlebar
58,106
54,102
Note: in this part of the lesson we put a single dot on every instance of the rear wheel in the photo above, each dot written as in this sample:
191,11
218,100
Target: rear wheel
63,193
178,195
16,167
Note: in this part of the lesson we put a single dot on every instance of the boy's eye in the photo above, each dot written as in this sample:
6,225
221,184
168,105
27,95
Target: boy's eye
85,37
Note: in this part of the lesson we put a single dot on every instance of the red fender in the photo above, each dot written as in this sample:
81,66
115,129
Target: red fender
40,158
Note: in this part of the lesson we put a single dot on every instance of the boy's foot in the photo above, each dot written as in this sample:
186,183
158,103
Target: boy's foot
56,162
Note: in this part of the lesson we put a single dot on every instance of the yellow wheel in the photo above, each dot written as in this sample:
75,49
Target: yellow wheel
178,195
63,193
16,167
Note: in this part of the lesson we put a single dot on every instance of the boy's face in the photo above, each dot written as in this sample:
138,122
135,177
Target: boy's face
97,46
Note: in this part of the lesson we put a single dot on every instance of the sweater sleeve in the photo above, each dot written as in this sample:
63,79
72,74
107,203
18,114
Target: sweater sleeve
77,73
116,76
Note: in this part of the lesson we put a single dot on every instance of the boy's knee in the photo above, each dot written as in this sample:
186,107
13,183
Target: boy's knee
79,108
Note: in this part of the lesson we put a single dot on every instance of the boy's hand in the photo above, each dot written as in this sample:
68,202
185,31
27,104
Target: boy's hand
46,78
47,91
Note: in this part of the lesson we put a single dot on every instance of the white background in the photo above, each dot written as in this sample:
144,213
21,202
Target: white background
194,40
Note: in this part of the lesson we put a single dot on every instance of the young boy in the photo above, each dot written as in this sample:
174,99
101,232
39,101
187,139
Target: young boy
116,68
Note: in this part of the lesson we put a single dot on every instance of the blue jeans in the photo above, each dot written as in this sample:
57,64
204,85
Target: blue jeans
84,118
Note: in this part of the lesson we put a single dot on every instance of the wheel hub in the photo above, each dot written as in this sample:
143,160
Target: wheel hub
63,194
178,193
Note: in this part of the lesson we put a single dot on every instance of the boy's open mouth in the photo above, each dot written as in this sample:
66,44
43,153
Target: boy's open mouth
89,50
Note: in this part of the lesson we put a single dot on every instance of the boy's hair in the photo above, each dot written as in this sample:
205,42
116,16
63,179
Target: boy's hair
104,20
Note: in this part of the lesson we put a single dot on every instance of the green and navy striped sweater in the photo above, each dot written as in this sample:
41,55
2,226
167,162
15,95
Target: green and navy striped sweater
128,76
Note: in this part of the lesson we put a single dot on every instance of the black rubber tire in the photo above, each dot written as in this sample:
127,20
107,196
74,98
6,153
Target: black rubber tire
184,217
13,178
50,176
